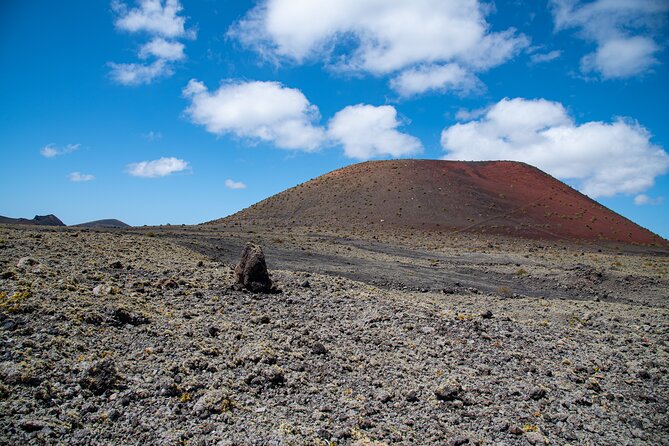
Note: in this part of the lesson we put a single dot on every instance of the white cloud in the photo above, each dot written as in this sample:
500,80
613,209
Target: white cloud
265,111
538,58
157,168
604,159
366,132
162,49
642,199
139,74
160,20
621,58
235,185
449,77
50,150
153,17
152,136
378,36
79,177
622,30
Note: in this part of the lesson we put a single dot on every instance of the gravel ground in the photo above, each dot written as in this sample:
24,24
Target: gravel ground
131,337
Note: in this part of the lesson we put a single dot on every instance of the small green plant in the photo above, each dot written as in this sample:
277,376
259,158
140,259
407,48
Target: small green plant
150,234
12,304
521,272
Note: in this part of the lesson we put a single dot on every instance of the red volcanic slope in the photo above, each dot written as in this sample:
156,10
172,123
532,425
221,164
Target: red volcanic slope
499,197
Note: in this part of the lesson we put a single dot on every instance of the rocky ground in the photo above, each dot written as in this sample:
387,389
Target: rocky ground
139,337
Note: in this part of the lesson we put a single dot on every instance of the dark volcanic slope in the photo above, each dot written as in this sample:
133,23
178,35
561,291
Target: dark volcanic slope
499,197
107,223
40,220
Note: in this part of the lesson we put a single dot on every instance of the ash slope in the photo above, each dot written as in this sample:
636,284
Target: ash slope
496,197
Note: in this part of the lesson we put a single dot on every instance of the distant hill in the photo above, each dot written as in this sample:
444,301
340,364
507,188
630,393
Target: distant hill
107,223
497,197
40,220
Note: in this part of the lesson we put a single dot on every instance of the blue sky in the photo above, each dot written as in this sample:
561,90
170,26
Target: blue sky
176,112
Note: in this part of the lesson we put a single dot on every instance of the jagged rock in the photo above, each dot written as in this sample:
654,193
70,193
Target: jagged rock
100,376
26,262
448,392
213,401
251,271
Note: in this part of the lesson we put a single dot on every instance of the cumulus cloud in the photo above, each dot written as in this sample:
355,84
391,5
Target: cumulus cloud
234,185
449,77
366,131
621,58
264,111
603,159
157,168
51,150
153,17
642,199
139,74
79,177
160,20
380,37
162,49
623,31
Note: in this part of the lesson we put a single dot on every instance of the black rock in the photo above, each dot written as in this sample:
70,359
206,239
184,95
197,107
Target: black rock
411,396
318,349
121,316
537,393
251,271
100,376
447,392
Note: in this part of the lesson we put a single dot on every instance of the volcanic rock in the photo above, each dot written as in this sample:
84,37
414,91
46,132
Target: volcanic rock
251,271
100,376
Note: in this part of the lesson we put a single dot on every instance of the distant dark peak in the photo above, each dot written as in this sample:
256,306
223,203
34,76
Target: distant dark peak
48,220
106,223
39,220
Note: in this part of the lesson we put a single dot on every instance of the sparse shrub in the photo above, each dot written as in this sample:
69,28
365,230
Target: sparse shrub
521,272
12,304
150,234
504,291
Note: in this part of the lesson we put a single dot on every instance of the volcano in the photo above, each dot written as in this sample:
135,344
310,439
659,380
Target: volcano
492,197
38,220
